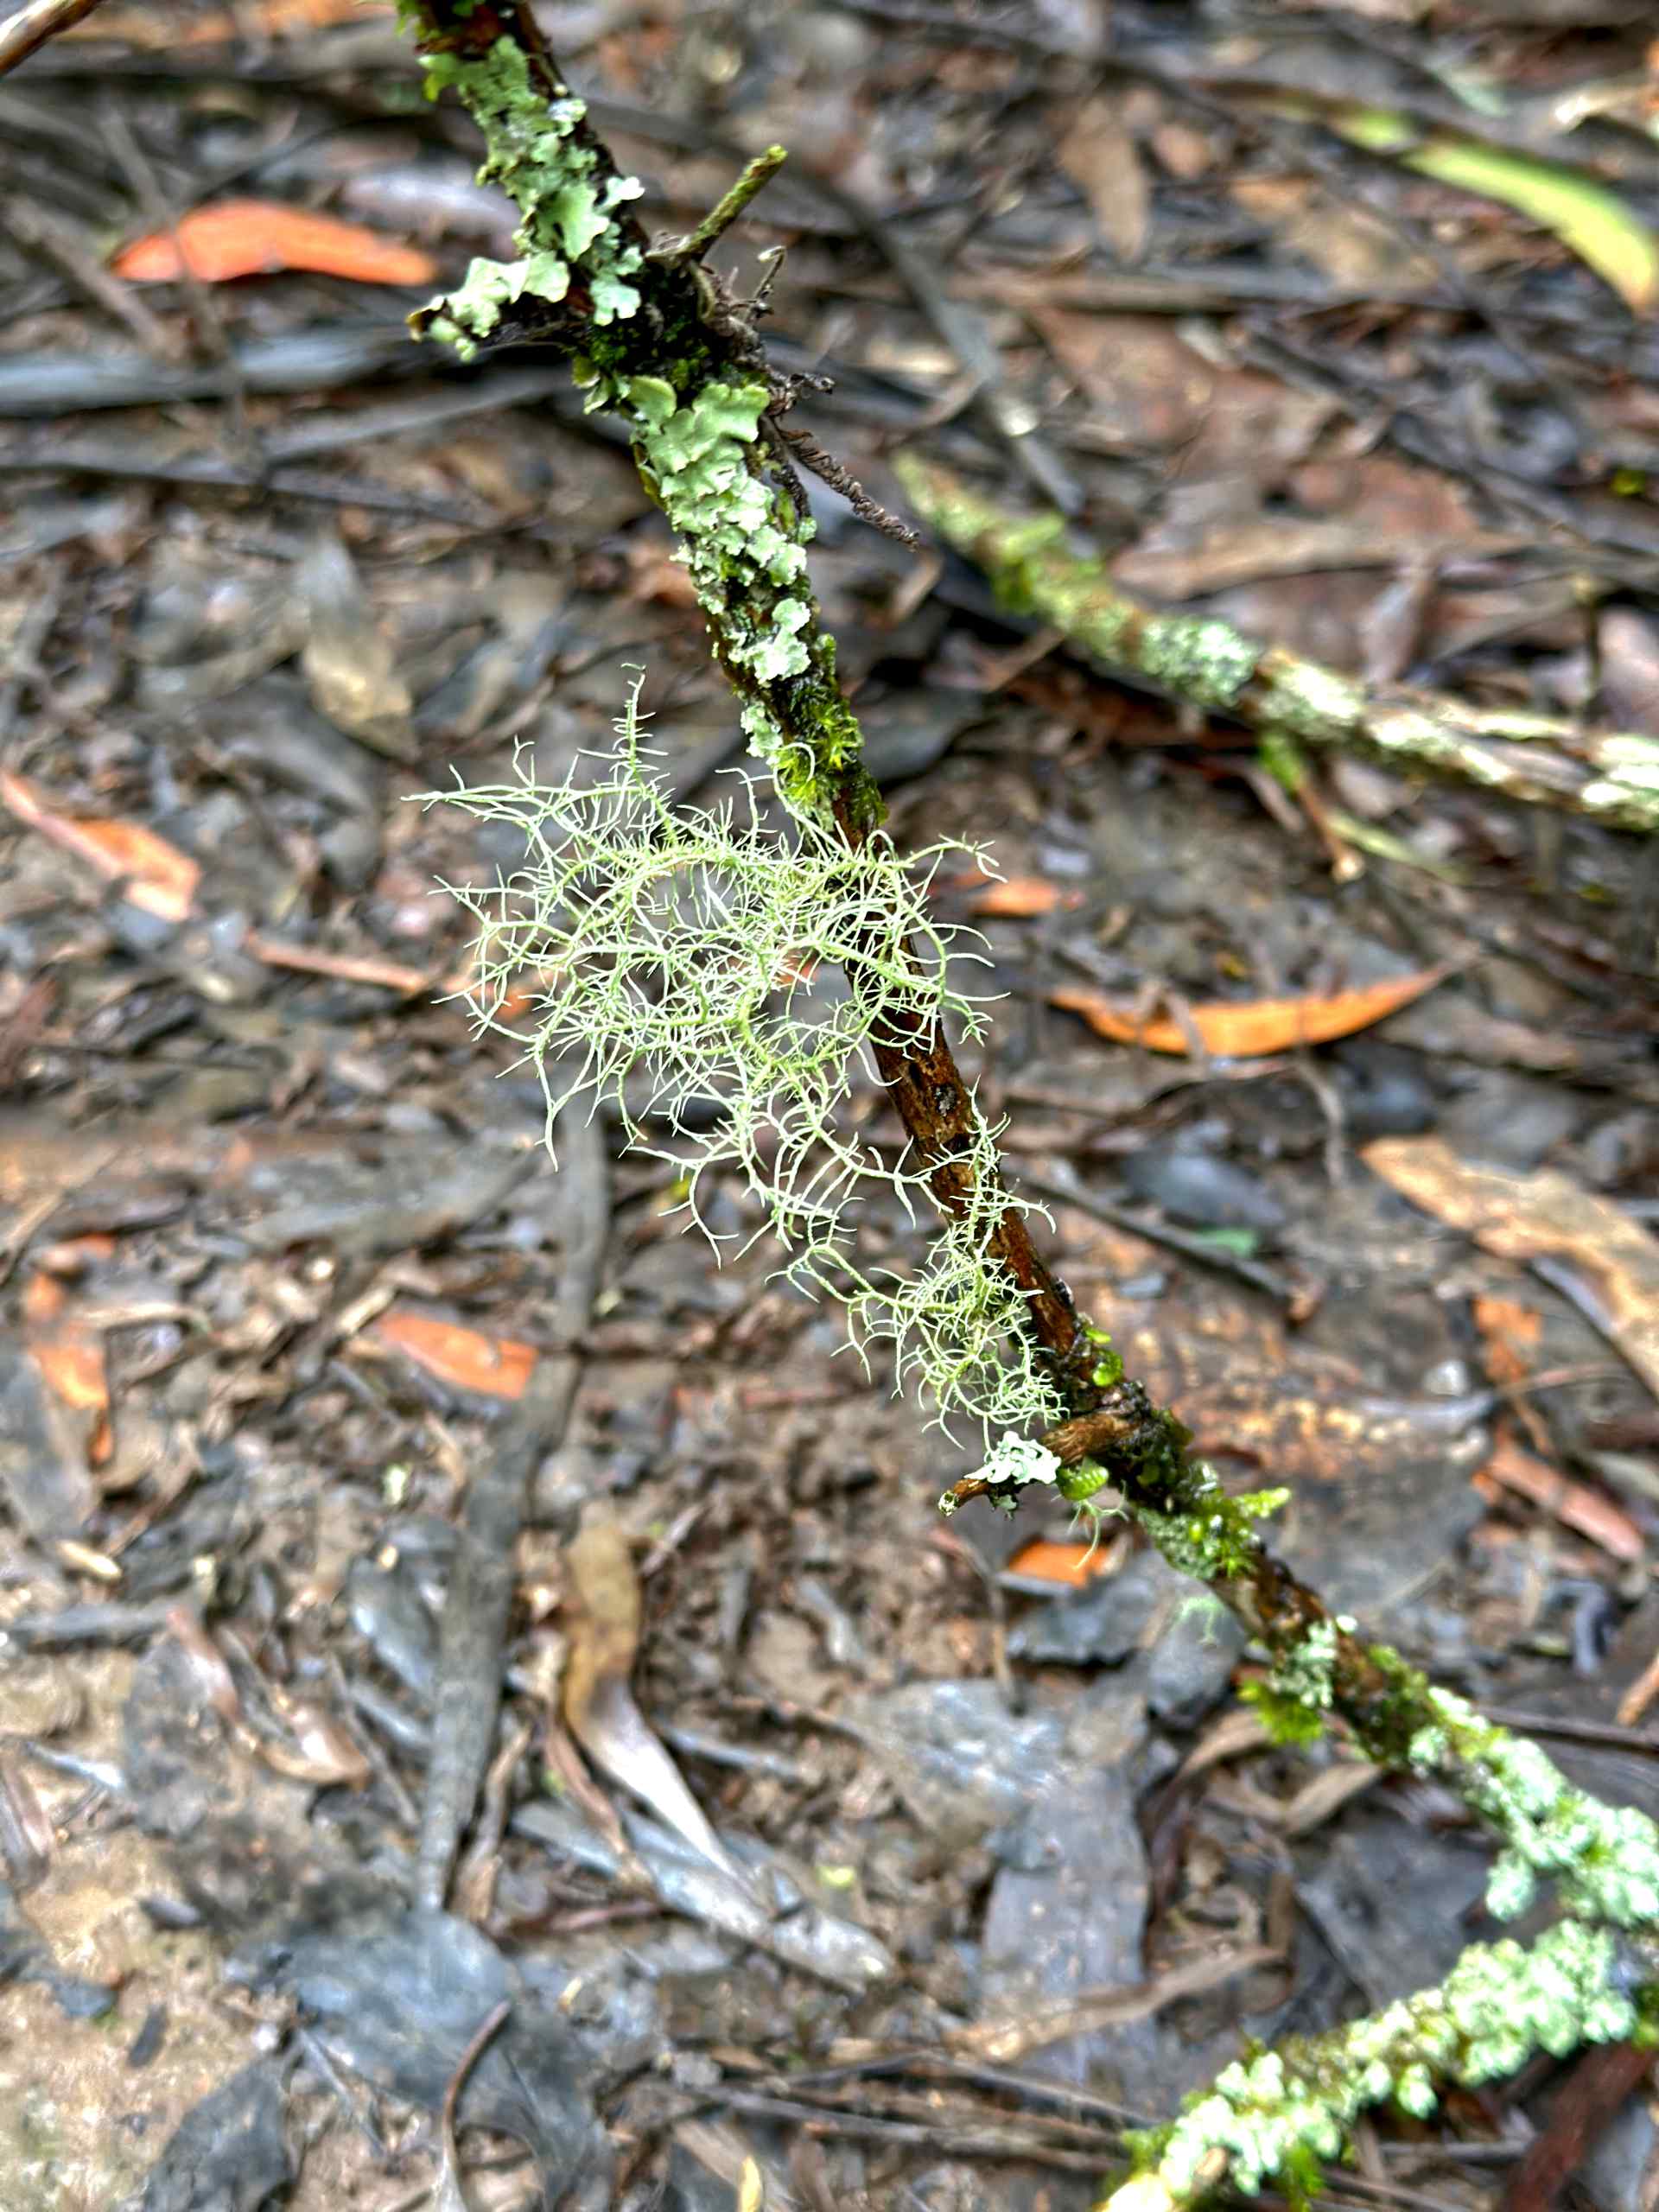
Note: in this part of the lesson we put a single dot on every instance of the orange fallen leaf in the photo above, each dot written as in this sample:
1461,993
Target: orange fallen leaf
1509,1328
254,238
148,27
69,1355
1244,1029
73,1367
158,876
1074,1565
1510,1334
1573,1504
1017,898
495,1367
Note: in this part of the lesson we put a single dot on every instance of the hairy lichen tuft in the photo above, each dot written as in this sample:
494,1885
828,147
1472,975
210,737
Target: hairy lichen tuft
683,947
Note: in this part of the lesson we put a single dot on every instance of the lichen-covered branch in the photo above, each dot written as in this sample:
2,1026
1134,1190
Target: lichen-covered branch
655,339
684,374
1284,2114
668,941
1610,777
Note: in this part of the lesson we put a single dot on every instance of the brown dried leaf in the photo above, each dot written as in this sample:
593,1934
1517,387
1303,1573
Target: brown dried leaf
1574,1505
1325,1795
599,1705
1543,1215
319,1750
349,662
1102,159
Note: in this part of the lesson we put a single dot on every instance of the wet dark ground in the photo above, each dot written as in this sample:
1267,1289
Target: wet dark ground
815,1833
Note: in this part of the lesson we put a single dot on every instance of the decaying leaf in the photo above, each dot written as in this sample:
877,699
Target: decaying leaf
158,876
1546,1217
1100,158
256,238
1606,235
494,1367
349,661
1246,1028
599,1705
69,1355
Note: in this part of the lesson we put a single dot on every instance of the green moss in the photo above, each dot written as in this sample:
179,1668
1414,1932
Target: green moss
1216,1539
1286,1719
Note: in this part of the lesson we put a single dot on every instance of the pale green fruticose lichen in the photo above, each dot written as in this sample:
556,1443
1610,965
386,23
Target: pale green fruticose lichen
682,945
1499,2005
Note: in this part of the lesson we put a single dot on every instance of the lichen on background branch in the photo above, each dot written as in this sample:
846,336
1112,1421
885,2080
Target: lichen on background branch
1610,777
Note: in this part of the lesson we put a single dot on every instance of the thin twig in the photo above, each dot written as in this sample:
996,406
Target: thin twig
726,210
478,1598
28,26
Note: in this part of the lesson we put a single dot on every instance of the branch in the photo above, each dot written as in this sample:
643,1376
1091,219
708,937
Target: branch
30,26
1611,777
658,341
1287,2111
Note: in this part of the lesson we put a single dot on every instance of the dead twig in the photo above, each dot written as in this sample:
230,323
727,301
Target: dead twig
28,26
478,1598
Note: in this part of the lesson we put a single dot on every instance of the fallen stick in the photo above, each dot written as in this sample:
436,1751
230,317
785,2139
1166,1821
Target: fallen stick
1610,777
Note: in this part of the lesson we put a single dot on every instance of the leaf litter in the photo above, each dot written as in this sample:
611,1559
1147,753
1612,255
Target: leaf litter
330,1252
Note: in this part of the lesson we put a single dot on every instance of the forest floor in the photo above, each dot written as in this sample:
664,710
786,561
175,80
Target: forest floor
998,1863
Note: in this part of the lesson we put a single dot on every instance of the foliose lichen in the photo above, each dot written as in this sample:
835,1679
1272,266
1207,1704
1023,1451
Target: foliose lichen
696,425
534,151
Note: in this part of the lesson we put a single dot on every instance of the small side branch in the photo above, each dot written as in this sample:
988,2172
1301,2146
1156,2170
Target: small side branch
726,210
